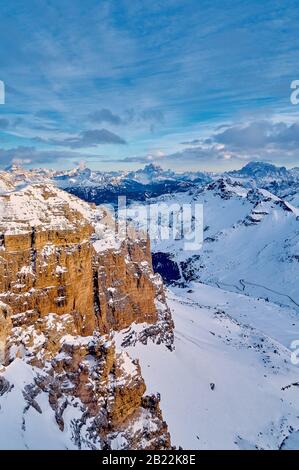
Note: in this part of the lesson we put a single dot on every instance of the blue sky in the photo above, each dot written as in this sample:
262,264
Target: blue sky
189,84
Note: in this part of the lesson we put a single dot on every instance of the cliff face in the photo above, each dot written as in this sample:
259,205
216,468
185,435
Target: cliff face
66,283
125,285
42,272
94,392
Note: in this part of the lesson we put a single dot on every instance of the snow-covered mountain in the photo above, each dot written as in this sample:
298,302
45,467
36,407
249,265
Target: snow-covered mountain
251,232
6,182
280,181
259,171
151,173
105,187
153,181
251,242
235,305
227,382
15,177
250,218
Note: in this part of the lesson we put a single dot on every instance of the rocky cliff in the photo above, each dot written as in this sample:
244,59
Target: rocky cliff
66,284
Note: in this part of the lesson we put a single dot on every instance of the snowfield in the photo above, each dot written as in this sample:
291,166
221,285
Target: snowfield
224,385
34,429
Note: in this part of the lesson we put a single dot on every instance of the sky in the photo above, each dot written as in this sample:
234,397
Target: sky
187,84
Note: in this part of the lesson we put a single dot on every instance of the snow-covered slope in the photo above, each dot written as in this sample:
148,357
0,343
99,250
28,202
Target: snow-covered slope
6,182
228,383
40,205
34,428
251,242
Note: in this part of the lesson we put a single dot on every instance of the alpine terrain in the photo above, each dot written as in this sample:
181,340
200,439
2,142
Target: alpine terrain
97,354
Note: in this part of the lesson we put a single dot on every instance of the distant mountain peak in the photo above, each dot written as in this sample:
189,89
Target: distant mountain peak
13,167
150,167
81,171
149,173
259,169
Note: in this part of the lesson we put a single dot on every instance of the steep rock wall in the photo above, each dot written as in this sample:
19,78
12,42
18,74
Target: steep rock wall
61,298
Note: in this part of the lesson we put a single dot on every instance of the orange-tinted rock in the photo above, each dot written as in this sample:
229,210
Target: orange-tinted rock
126,291
45,270
60,297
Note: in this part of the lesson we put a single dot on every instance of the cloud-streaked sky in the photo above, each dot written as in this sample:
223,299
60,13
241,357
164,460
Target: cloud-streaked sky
191,84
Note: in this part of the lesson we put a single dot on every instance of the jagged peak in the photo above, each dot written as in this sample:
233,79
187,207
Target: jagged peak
151,167
228,187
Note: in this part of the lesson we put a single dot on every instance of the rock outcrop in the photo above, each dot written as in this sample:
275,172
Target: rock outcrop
129,291
66,284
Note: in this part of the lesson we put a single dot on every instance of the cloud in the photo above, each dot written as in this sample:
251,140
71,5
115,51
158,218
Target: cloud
260,135
191,142
225,147
233,145
31,155
89,138
48,114
105,115
6,124
193,155
204,156
147,114
153,155
133,159
265,140
21,161
150,116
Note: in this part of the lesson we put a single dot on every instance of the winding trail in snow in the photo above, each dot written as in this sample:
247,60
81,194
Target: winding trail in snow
243,283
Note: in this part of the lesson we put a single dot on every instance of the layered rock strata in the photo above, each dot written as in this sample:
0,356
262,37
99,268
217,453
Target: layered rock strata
66,284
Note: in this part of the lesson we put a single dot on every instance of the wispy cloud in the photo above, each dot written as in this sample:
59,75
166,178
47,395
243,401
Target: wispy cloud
86,139
191,142
105,115
34,156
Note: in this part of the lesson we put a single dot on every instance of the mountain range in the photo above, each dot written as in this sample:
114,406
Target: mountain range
100,353
152,180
